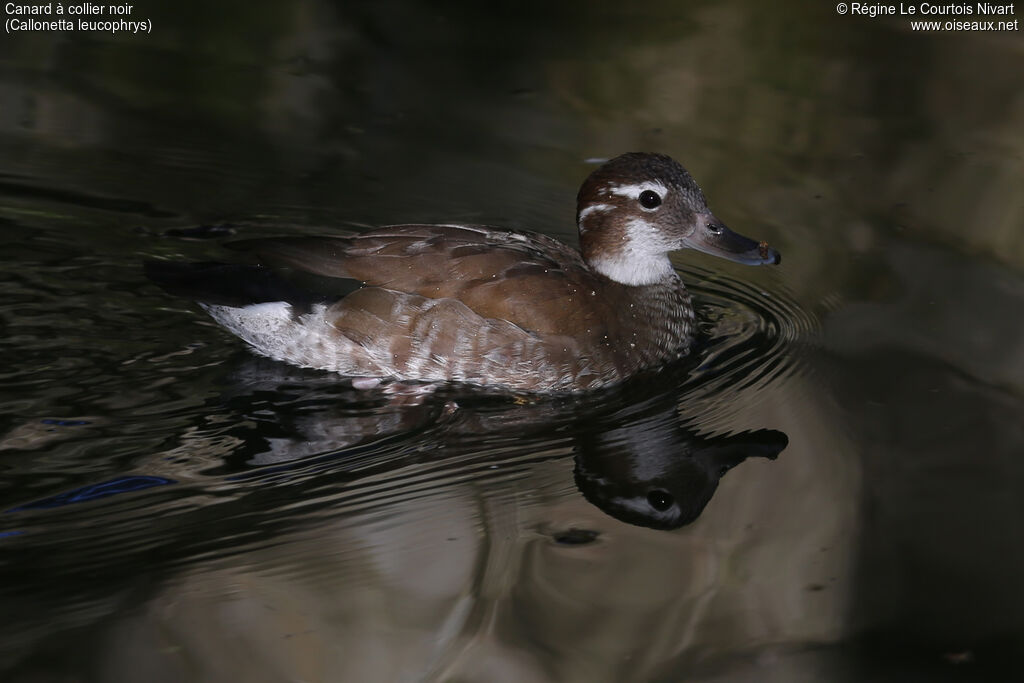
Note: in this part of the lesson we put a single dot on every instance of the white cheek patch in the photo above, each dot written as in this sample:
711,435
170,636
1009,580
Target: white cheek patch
644,236
640,259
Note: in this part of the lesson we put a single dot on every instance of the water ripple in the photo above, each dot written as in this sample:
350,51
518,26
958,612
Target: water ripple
750,338
252,448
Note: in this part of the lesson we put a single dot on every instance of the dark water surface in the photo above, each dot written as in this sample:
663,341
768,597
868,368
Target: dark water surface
173,508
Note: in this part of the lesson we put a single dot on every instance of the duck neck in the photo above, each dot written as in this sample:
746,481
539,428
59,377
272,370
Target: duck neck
635,270
630,253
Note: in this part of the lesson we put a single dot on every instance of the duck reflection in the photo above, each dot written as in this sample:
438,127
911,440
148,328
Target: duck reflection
646,468
634,457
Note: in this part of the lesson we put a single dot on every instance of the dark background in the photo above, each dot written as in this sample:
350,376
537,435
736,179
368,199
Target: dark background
885,164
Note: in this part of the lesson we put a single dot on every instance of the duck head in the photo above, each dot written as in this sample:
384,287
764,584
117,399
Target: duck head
638,207
649,470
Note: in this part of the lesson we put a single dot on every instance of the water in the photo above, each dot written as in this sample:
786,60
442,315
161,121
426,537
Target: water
838,466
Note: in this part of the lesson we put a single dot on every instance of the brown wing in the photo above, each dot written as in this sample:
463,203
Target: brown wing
533,281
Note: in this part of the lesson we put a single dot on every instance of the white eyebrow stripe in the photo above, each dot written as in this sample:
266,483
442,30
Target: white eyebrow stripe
634,191
594,208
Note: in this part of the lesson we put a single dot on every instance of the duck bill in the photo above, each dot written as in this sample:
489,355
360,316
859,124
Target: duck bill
712,237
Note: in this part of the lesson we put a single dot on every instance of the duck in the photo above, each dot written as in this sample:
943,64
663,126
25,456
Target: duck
481,305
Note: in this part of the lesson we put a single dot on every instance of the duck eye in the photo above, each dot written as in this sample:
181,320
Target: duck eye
660,500
649,199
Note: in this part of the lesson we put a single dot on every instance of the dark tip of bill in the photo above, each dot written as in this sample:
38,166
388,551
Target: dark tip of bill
768,254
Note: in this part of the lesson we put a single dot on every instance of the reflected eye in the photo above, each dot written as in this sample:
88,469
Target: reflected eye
660,500
715,228
649,199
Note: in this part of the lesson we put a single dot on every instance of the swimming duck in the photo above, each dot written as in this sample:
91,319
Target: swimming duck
482,305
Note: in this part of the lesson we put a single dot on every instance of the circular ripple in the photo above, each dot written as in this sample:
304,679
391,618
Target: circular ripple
750,337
